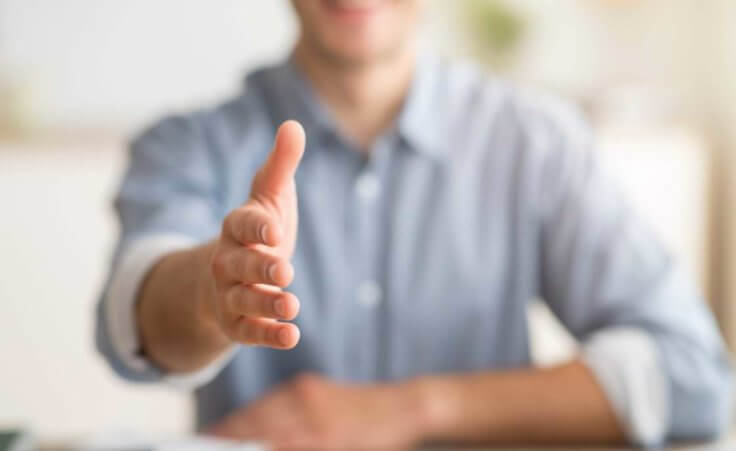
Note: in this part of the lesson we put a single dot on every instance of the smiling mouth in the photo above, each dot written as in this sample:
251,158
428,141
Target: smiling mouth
353,10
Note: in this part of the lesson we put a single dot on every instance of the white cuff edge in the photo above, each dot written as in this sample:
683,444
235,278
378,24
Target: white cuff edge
135,263
627,364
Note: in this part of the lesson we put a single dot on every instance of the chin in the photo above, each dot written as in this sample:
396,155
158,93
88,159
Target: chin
360,53
357,30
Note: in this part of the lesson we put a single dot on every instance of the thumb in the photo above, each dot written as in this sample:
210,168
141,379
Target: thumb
277,172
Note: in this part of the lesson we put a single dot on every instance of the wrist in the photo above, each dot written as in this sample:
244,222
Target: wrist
426,407
433,406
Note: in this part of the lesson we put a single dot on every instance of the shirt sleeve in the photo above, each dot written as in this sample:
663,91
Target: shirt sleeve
626,364
120,319
647,333
169,200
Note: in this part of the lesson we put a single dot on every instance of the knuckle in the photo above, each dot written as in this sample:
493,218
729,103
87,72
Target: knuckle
263,306
233,299
263,334
307,385
248,220
243,300
239,264
236,223
218,265
248,303
245,332
229,222
254,333
256,268
231,328
251,268
265,265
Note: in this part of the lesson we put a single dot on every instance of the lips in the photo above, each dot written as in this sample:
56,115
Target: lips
354,4
353,10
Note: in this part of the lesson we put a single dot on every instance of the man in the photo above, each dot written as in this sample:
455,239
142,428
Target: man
432,205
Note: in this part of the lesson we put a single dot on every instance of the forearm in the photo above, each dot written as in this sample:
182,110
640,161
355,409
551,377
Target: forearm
177,327
558,405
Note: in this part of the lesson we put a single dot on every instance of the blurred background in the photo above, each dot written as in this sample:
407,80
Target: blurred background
79,77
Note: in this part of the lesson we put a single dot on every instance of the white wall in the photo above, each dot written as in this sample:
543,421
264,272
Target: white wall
56,235
90,65
82,63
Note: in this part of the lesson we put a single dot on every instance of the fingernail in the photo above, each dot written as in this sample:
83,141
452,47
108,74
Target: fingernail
279,306
272,272
285,336
262,232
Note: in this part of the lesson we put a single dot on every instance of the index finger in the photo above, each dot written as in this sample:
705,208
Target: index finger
251,224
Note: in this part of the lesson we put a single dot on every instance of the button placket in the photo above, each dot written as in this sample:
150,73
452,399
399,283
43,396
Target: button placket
367,186
369,294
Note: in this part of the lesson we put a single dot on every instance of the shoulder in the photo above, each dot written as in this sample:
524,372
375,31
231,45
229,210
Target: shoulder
477,96
204,131
535,139
550,121
539,129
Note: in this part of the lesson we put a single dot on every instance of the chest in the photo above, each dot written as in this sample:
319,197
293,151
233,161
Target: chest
401,265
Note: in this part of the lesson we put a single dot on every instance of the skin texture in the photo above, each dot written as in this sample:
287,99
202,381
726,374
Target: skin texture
313,413
231,287
360,67
194,304
561,406
381,32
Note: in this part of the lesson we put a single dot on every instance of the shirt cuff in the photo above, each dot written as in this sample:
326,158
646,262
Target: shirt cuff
135,262
626,363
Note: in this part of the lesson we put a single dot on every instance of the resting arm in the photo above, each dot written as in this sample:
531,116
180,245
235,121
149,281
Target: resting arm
651,342
560,405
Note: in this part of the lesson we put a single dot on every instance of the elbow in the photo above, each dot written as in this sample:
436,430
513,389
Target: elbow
703,408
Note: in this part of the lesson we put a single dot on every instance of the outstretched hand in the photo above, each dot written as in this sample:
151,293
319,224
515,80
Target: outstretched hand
251,261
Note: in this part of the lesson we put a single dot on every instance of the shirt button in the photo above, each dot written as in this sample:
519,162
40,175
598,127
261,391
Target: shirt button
369,294
367,186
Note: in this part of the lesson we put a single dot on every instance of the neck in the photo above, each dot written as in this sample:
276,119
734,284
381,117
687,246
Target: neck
364,98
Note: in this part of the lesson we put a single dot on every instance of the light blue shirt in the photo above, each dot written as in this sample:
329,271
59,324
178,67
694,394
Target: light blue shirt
423,257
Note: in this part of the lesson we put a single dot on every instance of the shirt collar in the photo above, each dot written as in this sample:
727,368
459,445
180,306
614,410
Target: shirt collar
419,125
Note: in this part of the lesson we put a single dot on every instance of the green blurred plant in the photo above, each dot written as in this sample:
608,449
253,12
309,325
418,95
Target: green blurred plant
496,29
17,116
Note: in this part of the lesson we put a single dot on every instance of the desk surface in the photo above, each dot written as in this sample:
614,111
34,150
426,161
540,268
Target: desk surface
202,444
725,444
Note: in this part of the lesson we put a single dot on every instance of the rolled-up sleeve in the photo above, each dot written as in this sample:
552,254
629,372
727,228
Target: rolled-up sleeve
168,201
647,333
